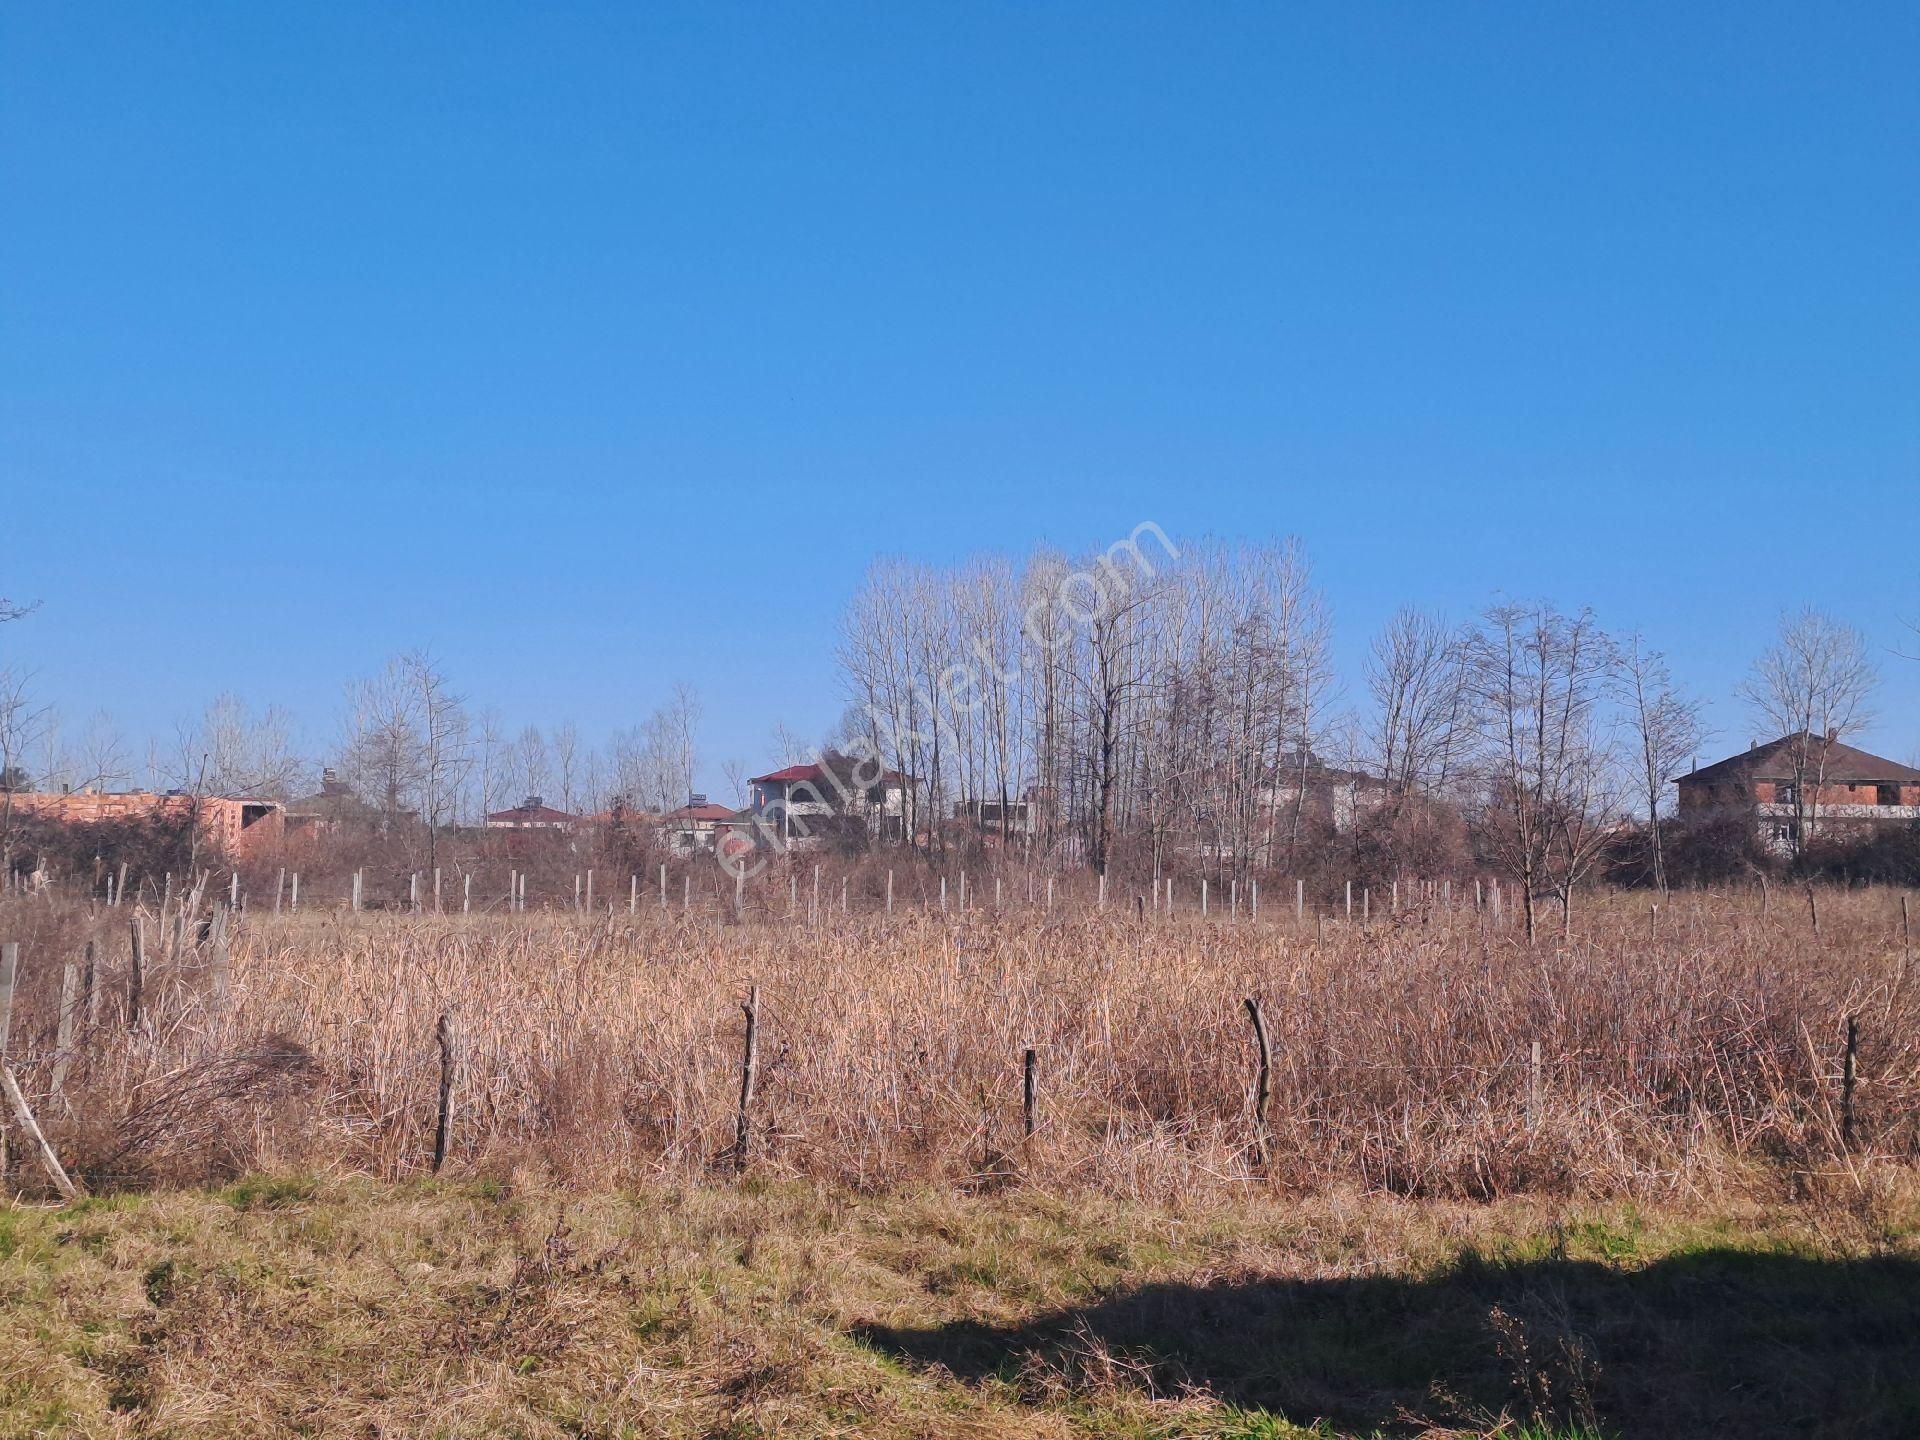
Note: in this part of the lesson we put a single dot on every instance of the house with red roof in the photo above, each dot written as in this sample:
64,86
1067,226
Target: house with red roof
837,796
533,813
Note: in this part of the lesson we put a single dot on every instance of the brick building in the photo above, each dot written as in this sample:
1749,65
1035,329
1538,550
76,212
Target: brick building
237,827
1802,786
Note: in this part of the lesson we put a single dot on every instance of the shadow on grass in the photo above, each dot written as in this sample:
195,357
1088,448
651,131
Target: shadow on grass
1711,1342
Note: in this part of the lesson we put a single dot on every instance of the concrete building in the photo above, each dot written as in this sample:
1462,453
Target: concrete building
693,828
533,813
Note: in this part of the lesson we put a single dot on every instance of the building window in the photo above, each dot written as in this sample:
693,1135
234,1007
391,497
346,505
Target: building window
1886,795
1786,793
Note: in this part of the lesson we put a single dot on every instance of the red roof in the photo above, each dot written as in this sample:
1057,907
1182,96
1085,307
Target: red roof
699,812
792,772
532,815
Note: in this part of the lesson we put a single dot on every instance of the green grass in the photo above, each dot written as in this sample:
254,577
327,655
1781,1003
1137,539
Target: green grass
291,1305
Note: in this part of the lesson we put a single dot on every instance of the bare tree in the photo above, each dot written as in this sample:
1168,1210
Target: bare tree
1538,678
441,744
232,750
1813,685
1415,678
20,724
566,760
383,756
533,767
1666,727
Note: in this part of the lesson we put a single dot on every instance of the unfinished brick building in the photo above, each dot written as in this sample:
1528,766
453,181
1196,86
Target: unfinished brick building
1802,786
236,828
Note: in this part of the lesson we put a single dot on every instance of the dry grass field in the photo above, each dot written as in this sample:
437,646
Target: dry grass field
1611,1183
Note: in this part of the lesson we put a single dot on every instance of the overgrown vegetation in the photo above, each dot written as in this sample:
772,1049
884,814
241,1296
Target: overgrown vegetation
1691,1049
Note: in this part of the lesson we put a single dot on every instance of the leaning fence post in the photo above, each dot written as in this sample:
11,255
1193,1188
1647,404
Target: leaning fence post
1262,1086
443,1124
1847,1080
749,1075
68,1190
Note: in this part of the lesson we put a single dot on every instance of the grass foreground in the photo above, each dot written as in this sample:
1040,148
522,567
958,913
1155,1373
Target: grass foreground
496,1307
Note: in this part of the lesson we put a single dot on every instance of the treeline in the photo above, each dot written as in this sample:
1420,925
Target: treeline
1150,706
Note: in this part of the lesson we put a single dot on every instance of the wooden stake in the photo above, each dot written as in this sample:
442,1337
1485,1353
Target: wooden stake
1030,1095
9,974
1847,1080
1533,1087
136,971
749,1077
1262,1085
68,1190
443,1125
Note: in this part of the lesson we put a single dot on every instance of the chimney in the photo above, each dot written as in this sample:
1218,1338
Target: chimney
1833,734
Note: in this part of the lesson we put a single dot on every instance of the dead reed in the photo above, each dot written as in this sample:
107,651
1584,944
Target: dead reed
1426,1053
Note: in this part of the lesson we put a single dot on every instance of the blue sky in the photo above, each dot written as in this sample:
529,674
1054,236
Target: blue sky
600,346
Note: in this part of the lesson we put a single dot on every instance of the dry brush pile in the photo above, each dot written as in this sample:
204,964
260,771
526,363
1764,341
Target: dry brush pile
1701,1054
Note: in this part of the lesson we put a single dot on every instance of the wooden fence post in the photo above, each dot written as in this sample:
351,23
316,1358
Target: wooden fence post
1030,1097
443,1124
9,973
749,1077
1847,1080
89,987
220,959
1262,1086
68,1190
63,1036
1533,1087
136,970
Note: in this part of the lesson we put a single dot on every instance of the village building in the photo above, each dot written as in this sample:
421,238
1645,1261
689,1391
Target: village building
1016,819
694,828
533,813
328,811
238,826
1801,787
835,797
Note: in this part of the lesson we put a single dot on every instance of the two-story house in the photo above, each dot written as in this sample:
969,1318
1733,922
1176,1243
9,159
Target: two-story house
1802,786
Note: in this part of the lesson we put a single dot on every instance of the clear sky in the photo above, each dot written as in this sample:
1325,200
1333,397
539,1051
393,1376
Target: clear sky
600,346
